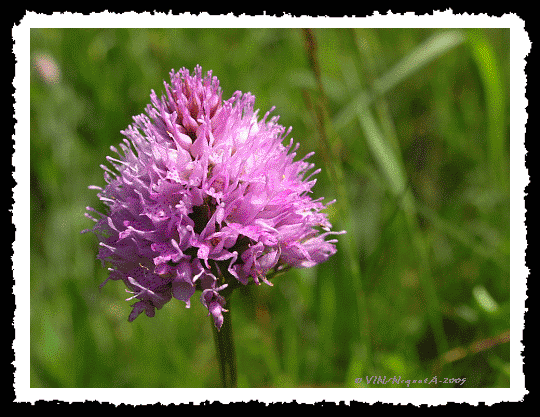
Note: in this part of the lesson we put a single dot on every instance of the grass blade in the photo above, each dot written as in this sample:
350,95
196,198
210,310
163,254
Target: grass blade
412,63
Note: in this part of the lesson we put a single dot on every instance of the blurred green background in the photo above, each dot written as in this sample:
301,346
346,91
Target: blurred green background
411,128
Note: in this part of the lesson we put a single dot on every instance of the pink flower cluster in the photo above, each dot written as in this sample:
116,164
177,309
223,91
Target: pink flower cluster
203,194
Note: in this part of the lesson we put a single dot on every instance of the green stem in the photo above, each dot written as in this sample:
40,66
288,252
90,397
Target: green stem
225,352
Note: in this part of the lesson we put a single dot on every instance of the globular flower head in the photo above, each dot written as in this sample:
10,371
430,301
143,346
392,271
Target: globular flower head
202,196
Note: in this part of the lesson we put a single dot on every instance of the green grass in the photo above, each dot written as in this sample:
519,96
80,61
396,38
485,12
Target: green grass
411,129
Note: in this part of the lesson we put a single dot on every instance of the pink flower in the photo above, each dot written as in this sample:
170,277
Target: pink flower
203,194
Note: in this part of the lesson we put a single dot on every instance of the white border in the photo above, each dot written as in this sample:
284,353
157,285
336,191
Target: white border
520,47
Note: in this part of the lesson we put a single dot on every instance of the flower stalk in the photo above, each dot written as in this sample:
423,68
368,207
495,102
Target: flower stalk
225,351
